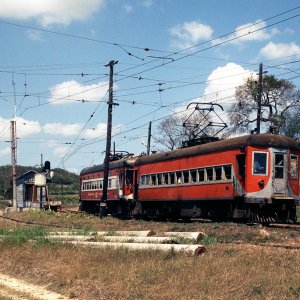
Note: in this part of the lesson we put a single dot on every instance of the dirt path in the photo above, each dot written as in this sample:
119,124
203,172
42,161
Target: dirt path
15,289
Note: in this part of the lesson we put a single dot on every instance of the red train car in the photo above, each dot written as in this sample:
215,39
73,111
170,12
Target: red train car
120,187
253,177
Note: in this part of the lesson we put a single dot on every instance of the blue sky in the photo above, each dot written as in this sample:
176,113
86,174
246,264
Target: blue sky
55,51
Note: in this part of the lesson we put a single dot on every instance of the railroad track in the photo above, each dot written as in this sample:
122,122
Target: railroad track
285,226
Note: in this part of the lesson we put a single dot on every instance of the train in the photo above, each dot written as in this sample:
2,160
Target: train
251,178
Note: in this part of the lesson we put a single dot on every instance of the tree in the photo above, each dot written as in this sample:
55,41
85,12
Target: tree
291,124
279,96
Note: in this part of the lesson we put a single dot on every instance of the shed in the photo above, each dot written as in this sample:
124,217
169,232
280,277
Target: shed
28,193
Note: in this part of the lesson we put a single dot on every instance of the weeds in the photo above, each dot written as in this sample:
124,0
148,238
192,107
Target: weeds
295,290
23,235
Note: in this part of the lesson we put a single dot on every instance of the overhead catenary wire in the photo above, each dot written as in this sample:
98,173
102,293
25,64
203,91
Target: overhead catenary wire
120,100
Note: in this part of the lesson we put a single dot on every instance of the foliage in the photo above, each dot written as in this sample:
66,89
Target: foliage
279,96
291,124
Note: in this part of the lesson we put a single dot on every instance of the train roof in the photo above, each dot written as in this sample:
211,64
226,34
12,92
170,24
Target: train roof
126,162
258,140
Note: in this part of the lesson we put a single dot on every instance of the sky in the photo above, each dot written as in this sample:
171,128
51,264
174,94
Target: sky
168,53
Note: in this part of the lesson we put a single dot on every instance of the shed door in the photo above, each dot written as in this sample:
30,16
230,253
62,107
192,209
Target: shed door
280,173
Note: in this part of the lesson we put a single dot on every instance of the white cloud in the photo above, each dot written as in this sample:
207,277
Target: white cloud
70,91
24,128
27,128
98,131
274,51
58,150
248,32
189,33
50,11
221,83
62,129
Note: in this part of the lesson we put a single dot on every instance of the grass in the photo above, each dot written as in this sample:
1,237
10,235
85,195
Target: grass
21,236
239,264
121,274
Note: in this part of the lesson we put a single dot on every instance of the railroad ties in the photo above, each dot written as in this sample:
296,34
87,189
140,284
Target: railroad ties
179,242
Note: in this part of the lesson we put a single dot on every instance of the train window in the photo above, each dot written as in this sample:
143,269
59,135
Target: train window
172,178
279,165
218,173
186,176
143,180
209,174
227,172
260,163
116,183
294,166
109,183
147,179
166,178
129,176
179,177
101,184
193,175
201,175
153,179
159,179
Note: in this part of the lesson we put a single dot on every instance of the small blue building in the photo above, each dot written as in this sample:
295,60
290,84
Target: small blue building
28,194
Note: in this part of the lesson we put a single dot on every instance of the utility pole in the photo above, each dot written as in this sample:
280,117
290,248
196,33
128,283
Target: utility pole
103,204
149,138
259,96
14,147
14,162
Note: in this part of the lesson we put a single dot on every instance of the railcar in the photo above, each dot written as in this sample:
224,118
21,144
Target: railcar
120,187
253,178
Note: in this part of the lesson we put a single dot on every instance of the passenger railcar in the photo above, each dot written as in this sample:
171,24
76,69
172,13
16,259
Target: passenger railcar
120,186
253,177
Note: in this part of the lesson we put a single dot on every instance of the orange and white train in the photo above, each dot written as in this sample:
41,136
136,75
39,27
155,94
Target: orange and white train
252,178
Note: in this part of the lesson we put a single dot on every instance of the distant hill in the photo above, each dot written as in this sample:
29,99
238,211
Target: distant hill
63,182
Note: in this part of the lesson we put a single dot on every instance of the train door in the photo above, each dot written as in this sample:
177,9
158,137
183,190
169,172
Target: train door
280,173
241,162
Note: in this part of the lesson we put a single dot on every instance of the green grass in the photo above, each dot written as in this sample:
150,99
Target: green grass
21,236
